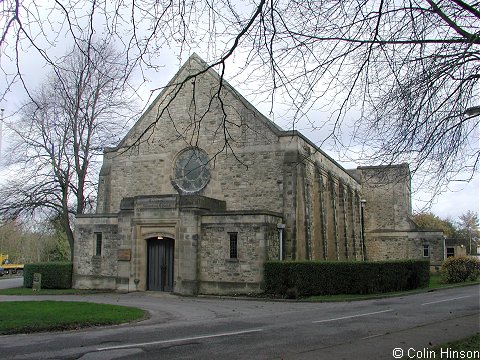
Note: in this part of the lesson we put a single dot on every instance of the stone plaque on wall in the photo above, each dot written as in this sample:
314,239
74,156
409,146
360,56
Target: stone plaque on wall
157,203
124,254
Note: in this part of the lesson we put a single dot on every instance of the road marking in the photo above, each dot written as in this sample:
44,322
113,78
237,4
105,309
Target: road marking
451,299
352,316
179,340
371,336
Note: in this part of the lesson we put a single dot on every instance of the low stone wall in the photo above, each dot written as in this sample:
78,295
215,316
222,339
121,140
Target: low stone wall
229,288
94,282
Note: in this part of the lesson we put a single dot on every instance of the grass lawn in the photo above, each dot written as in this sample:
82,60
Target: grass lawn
34,316
467,345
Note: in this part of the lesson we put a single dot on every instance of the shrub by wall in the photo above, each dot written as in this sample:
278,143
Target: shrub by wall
55,275
460,268
306,278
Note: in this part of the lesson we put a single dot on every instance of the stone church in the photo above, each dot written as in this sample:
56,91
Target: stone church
204,189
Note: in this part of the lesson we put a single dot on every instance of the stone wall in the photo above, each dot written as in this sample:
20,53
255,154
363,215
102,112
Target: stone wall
321,205
390,234
89,269
201,245
387,191
248,157
249,179
406,245
176,217
257,237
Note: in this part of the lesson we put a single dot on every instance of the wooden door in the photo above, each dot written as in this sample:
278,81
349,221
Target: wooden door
160,264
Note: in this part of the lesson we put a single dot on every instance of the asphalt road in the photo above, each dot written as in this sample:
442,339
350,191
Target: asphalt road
211,328
9,281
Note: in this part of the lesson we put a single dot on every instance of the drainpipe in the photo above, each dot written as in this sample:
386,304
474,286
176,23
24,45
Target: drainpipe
362,219
280,228
444,248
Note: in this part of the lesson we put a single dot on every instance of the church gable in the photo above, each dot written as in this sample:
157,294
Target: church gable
196,108
237,151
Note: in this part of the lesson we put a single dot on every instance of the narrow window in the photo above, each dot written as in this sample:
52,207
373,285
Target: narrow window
98,244
450,252
426,250
233,245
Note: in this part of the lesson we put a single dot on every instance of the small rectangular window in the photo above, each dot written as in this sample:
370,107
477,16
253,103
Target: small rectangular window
426,250
450,252
98,244
233,245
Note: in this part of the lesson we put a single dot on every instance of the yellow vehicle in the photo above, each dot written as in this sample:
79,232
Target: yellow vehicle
8,267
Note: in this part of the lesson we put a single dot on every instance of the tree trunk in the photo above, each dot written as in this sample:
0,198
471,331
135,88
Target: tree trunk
70,239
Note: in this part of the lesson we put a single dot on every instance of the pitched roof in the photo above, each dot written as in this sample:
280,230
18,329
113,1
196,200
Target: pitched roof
182,76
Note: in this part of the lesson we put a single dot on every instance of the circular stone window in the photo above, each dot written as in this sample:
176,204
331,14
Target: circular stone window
191,172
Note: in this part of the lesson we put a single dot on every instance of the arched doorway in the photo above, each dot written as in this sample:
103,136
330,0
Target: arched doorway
160,263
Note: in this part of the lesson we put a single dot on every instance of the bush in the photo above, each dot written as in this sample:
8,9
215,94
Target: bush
460,268
55,275
293,279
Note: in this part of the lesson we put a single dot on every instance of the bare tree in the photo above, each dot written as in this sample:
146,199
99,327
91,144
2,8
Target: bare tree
409,68
80,108
468,227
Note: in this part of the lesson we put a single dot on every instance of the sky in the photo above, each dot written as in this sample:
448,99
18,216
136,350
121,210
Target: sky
456,200
460,198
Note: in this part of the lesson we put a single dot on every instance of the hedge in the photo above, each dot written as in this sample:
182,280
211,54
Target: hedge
55,275
306,278
460,269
